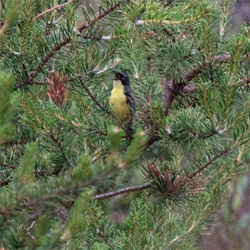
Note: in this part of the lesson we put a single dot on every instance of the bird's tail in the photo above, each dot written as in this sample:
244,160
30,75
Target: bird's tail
129,132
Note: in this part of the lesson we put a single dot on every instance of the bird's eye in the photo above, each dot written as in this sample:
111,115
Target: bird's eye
123,78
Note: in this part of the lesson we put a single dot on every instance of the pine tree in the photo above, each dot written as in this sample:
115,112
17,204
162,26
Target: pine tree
68,179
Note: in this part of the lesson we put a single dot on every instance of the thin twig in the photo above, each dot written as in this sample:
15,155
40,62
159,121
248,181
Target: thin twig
217,59
92,97
225,152
242,82
97,132
103,14
12,143
122,191
103,237
60,146
182,34
38,83
48,56
21,84
205,136
8,165
58,193
57,7
168,3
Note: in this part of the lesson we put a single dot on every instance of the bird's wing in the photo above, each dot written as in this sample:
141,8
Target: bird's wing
130,100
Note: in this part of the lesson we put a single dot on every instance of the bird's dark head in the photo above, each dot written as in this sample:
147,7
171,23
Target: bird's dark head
122,77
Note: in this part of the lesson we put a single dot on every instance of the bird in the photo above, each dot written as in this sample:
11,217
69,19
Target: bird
122,102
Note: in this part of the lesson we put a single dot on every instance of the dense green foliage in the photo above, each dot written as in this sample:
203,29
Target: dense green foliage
61,148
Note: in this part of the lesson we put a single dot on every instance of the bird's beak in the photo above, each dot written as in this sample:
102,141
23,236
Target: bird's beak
115,72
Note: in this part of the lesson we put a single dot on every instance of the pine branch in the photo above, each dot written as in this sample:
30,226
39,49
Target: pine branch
68,39
172,22
57,7
92,97
61,44
217,59
122,191
170,89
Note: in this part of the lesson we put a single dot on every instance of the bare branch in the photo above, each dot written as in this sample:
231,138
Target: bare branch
57,7
122,191
105,13
97,132
204,136
47,57
92,97
225,152
21,84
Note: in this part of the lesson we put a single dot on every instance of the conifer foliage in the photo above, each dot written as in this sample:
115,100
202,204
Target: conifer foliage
68,179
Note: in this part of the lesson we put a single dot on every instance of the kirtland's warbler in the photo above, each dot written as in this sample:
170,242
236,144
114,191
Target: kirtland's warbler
121,101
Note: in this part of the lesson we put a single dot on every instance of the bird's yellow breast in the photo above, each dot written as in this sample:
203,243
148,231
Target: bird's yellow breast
118,103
